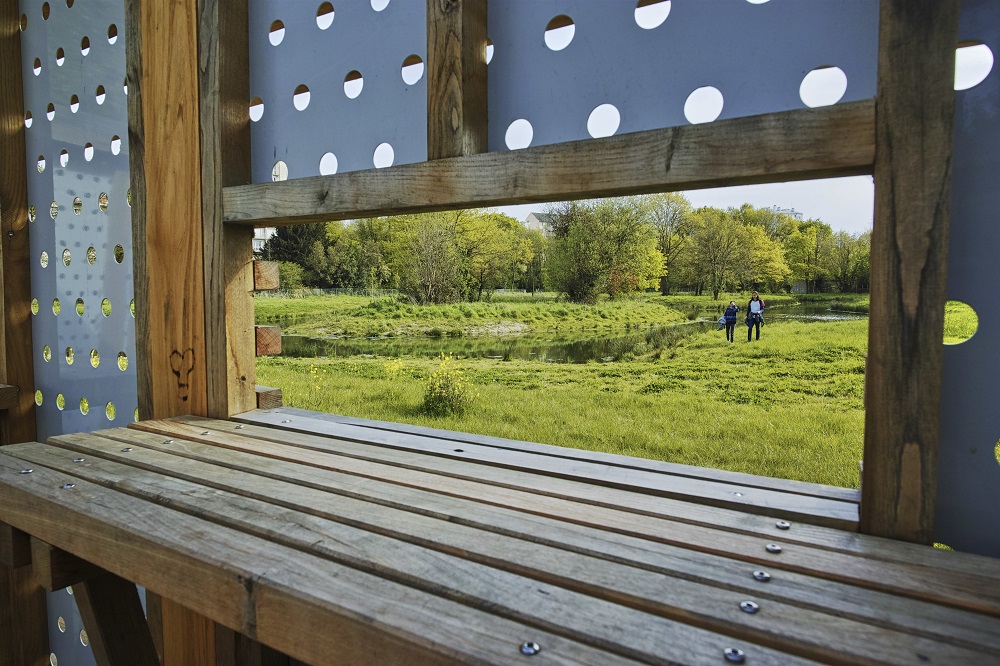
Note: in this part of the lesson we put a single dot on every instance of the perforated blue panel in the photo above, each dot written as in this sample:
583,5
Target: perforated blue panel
968,504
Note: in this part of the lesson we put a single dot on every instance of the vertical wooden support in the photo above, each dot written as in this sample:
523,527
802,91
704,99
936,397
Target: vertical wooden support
113,618
914,126
18,425
456,78
24,637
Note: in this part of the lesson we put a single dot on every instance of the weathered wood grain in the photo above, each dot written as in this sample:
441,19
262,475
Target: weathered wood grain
265,275
301,604
914,127
8,395
456,78
268,397
18,424
268,340
15,547
112,615
792,145
24,635
56,569
591,553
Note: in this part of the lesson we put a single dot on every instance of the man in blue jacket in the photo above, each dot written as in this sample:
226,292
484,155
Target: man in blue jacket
730,317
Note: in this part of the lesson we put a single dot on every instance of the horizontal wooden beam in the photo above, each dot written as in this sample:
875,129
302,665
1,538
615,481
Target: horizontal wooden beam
791,145
268,340
55,569
268,398
265,275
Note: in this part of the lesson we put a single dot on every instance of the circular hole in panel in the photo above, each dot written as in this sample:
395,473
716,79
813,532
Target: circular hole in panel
125,86
279,172
757,2
88,152
353,84
996,451
703,105
37,69
300,98
960,322
85,45
651,14
31,213
50,111
63,158
823,86
106,307
109,411
60,57
384,156
324,16
135,415
69,590
56,307
60,401
84,639
328,164
24,22
53,659
559,32
95,358
43,259
27,119
80,307
38,397
519,134
47,353
131,307
53,210
34,306
100,95
379,5
413,69
489,50
276,33
74,104
603,121
128,197
61,623
256,109
119,254
40,165
112,33
91,255
70,356
122,361
84,406
67,258
973,63
102,201
116,144
77,209
45,11
69,3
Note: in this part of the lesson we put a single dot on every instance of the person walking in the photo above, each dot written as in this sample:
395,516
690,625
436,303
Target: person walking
755,315
730,317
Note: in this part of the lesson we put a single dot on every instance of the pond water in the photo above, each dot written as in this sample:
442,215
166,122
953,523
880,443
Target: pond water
546,348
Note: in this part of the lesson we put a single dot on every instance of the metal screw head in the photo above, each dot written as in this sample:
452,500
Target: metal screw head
459,450
287,421
734,655
530,648
127,449
749,607
773,548
168,441
783,525
738,494
78,460
69,486
239,427
27,470
762,576
206,432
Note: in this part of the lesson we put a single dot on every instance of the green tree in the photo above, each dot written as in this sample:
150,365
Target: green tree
670,215
493,249
719,255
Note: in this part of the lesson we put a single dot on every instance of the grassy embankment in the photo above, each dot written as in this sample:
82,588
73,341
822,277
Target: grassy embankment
788,406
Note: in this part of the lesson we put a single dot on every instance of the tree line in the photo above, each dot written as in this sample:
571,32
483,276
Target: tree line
608,246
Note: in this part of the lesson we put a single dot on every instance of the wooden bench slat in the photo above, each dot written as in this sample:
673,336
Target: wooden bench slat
497,581
307,421
558,474
727,576
305,606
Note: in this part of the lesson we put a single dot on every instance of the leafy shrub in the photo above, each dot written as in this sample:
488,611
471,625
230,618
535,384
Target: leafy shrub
289,275
448,392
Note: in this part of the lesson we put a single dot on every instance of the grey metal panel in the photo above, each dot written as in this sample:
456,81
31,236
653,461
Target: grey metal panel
755,54
373,43
968,503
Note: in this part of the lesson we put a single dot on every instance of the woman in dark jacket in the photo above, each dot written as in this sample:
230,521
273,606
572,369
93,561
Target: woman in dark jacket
730,317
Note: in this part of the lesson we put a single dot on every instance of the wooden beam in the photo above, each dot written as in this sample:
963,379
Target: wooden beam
456,78
55,569
24,635
268,340
268,398
16,356
792,145
266,276
8,396
112,615
914,126
15,547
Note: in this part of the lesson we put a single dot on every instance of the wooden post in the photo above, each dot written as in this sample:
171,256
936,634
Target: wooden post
112,615
456,78
914,127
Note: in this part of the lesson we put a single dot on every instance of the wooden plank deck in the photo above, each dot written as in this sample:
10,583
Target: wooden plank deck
335,549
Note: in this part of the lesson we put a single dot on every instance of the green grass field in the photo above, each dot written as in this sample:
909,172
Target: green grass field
788,406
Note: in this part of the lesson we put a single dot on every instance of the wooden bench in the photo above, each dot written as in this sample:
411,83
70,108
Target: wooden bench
355,543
